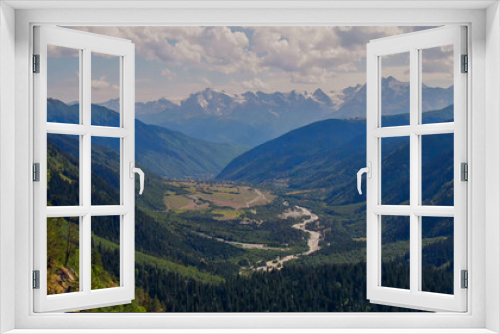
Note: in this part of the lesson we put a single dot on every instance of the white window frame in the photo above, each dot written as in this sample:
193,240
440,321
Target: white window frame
412,44
484,308
86,44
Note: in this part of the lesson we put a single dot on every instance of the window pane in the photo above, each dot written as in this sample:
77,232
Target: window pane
63,170
396,252
395,89
437,254
63,85
105,88
437,84
395,181
63,255
437,169
105,252
105,171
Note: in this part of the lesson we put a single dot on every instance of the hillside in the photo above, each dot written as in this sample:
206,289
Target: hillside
282,157
327,154
156,235
165,152
182,267
165,282
161,245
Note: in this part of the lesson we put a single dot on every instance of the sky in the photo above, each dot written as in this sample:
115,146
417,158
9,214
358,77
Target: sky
174,62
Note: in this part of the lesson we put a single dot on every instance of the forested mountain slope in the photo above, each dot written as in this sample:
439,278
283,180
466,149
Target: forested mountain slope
165,152
327,154
182,267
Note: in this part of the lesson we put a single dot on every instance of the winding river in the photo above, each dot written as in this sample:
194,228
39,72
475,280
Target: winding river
312,241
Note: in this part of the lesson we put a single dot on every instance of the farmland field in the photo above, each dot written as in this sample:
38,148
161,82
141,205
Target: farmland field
225,199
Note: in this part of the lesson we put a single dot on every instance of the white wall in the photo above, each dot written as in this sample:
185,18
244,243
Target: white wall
249,17
492,164
7,163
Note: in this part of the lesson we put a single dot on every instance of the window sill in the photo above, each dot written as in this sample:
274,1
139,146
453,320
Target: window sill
248,331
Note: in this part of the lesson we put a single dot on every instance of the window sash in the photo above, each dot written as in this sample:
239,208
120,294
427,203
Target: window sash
86,297
412,43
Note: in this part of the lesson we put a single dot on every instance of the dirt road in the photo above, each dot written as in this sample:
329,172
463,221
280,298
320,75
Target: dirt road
260,198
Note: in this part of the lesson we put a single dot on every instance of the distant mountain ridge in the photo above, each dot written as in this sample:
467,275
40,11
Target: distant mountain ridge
254,118
395,99
166,152
150,107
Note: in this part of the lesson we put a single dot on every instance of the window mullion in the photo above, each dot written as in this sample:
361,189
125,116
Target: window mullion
86,242
418,126
414,171
81,236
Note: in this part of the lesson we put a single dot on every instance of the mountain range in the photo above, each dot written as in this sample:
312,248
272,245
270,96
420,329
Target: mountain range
165,152
251,119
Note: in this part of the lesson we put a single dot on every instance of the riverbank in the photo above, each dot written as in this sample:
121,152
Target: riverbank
312,241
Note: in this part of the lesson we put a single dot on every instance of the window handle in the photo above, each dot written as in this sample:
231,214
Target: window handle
368,171
134,170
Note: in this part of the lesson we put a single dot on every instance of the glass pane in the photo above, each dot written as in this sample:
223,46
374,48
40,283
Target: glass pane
437,169
63,85
395,164
105,89
105,171
63,170
437,84
396,252
437,254
105,252
63,255
395,89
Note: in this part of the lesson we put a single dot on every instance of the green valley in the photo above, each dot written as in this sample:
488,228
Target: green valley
281,228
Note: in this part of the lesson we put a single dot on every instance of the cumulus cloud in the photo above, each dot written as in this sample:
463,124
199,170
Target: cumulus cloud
61,52
255,85
168,74
218,48
101,83
261,58
437,59
299,51
437,66
303,52
317,52
103,90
